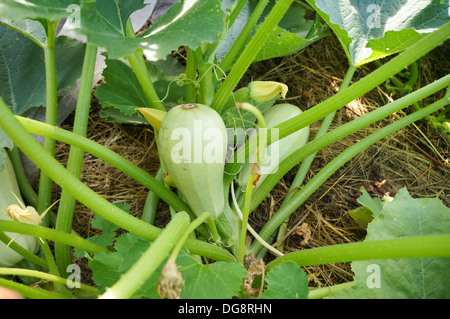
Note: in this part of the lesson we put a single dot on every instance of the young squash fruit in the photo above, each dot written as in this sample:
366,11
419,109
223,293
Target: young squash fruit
192,146
276,115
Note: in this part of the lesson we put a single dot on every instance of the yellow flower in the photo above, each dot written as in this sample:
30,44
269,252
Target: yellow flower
263,91
27,215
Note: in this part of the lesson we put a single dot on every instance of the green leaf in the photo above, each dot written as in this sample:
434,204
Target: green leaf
108,267
219,280
293,34
36,9
22,65
122,90
213,281
286,281
189,22
369,30
108,231
407,278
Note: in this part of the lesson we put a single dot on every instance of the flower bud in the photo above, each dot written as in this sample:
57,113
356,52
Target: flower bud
169,285
264,91
27,215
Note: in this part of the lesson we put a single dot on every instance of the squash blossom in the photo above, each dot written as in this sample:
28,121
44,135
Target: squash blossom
264,91
27,215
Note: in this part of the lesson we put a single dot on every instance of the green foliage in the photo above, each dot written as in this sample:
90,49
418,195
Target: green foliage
122,91
408,278
286,281
36,9
370,30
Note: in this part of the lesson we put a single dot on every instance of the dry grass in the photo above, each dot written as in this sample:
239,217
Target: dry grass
403,159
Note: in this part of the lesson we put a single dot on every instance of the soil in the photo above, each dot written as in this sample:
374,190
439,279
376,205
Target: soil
404,159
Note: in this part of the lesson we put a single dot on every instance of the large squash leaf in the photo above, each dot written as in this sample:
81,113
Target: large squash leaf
407,278
372,29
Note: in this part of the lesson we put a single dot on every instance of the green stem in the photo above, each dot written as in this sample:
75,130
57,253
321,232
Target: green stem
25,187
20,250
240,41
205,76
306,163
406,247
149,261
192,226
236,10
12,127
342,98
191,76
75,161
53,268
152,200
50,234
319,293
245,215
249,53
30,292
51,115
137,62
43,275
307,190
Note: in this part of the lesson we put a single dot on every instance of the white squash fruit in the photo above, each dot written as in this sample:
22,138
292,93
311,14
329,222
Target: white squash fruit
192,146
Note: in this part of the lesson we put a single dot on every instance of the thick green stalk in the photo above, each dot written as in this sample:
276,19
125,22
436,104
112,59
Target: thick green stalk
12,127
75,161
43,275
50,234
51,115
306,163
191,76
137,63
236,10
240,41
152,200
26,189
205,76
342,98
149,261
249,53
406,247
30,292
300,197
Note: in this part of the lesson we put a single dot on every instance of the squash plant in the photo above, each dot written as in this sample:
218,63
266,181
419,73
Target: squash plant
209,213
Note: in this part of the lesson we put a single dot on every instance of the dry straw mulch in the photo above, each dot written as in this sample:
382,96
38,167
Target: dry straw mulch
404,159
